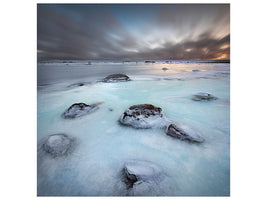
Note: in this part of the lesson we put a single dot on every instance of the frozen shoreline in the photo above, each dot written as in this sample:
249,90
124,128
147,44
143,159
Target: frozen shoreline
103,146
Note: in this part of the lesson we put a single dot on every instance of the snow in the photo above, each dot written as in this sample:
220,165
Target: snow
103,147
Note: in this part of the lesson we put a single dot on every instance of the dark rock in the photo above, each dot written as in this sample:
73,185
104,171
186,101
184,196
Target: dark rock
57,145
195,70
110,109
184,134
164,68
116,78
143,116
203,96
80,109
137,172
149,61
79,84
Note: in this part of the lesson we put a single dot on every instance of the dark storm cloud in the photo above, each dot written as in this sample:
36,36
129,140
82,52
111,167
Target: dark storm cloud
81,34
96,32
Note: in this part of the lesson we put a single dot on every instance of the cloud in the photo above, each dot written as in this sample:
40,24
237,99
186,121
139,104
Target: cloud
94,31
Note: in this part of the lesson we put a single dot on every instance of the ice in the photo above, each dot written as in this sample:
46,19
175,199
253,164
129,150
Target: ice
143,169
103,145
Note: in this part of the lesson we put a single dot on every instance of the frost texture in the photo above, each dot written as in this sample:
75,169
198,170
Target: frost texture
142,177
203,96
184,133
57,144
80,109
144,116
116,78
94,166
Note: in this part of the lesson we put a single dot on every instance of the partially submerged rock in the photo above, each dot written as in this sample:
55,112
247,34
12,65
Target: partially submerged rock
79,84
116,78
203,96
138,172
164,68
80,109
57,145
143,116
183,133
150,61
195,70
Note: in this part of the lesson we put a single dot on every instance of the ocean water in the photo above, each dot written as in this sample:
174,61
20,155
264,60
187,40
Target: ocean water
103,146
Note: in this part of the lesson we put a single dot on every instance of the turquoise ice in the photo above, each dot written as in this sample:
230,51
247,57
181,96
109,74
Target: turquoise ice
103,145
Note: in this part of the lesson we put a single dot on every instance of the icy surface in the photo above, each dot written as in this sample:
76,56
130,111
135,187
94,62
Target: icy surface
104,145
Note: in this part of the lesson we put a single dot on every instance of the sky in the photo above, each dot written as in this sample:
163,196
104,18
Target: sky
133,31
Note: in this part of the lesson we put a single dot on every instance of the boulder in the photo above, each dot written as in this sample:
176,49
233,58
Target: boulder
143,116
183,133
80,109
116,78
57,145
203,96
136,172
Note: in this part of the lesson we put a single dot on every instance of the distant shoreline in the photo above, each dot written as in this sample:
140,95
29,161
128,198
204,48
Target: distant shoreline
129,61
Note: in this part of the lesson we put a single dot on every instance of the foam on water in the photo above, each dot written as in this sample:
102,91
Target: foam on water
103,145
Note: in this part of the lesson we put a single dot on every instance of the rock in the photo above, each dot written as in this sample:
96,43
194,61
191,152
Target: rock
57,145
116,78
143,116
80,109
183,133
79,84
164,68
136,172
195,70
203,96
149,61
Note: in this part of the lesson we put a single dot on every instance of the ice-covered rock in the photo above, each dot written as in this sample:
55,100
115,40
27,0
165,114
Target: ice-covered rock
80,109
140,176
57,145
183,133
144,116
203,96
116,78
